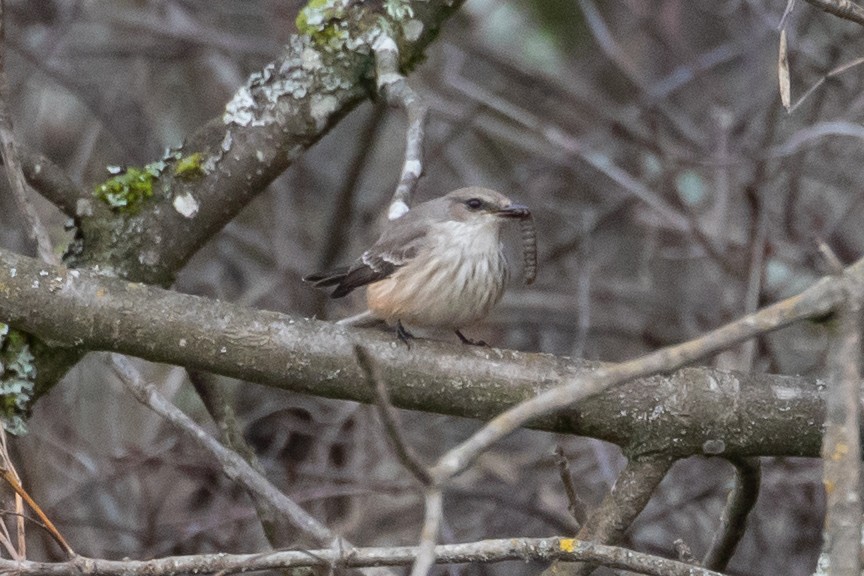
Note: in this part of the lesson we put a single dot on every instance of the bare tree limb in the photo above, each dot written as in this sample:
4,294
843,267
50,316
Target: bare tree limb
281,111
739,504
53,184
522,549
739,415
841,448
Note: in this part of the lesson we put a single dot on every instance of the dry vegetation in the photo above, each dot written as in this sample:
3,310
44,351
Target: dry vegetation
672,193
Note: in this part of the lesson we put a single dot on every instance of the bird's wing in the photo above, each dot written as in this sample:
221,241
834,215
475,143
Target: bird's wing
398,245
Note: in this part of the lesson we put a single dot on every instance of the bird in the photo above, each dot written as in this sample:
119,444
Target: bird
440,265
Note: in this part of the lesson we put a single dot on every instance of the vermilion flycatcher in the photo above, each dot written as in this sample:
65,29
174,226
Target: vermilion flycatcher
439,265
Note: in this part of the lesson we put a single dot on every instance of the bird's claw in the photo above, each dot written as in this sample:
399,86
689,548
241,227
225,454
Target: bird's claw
470,342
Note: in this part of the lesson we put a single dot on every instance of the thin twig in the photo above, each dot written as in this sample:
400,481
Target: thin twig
830,262
739,504
232,437
434,512
232,464
14,172
406,454
575,505
10,479
845,9
835,72
485,551
394,87
10,475
7,464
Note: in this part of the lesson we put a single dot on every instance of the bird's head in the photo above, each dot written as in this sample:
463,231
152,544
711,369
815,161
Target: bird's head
482,205
484,209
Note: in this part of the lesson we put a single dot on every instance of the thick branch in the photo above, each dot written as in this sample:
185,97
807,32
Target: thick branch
268,124
693,411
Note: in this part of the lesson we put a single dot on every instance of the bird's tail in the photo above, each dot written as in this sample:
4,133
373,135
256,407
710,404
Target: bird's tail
328,278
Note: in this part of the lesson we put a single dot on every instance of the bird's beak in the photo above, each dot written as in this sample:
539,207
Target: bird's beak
514,211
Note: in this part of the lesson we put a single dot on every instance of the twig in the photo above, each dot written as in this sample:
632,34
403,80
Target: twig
230,435
841,445
407,456
409,459
627,498
835,72
487,551
14,173
11,479
790,7
10,475
434,511
758,239
392,84
53,184
235,467
845,9
830,262
7,464
739,504
608,45
575,505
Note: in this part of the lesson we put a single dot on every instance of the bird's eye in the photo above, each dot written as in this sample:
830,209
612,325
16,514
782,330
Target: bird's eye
474,203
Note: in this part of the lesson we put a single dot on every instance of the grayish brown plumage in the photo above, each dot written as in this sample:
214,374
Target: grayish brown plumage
439,265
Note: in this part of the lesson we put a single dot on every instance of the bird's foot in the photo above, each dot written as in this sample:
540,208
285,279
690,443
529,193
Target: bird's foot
470,342
403,334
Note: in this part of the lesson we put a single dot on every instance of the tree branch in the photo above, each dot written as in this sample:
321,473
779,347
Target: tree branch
841,448
14,173
739,504
627,498
695,410
280,112
234,466
522,549
845,9
392,84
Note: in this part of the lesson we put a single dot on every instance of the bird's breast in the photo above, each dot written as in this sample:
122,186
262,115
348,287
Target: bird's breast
451,285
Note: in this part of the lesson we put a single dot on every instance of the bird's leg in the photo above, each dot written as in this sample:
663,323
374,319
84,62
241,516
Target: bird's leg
468,341
403,334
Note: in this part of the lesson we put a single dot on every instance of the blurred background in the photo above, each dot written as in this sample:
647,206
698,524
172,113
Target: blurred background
672,193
